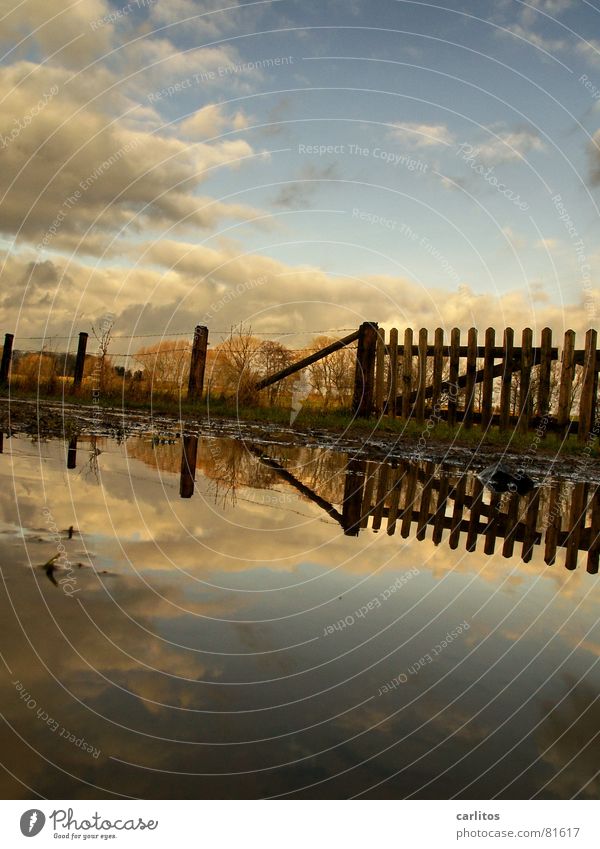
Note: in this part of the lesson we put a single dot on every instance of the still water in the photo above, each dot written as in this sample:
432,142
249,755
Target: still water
235,620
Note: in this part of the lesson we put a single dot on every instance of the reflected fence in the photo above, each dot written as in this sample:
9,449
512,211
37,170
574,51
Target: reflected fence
410,499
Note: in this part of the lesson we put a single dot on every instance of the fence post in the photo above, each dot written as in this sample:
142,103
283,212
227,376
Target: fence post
438,367
380,371
587,401
189,452
354,482
525,387
72,454
507,377
566,381
198,363
407,361
454,359
6,358
362,402
543,399
393,390
471,370
422,376
488,377
80,361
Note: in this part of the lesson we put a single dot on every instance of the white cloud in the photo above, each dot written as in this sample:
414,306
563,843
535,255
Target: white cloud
590,50
210,121
507,146
424,135
129,176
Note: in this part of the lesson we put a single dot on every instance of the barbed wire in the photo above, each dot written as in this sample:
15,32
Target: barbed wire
190,334
158,353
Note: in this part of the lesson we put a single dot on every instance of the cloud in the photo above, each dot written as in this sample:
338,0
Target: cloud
300,193
424,135
509,146
590,50
210,121
124,177
46,28
535,39
173,285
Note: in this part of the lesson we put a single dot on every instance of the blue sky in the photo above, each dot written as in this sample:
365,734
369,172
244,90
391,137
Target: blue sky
405,162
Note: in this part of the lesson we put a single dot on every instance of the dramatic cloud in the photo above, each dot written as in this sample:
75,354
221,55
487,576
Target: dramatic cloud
74,165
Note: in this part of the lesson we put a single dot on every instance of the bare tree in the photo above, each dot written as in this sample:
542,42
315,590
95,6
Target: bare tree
165,365
333,376
103,334
273,357
238,361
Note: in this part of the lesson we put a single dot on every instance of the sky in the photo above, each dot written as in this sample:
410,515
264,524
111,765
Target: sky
297,166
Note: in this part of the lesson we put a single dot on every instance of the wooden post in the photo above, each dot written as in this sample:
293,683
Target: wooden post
587,401
393,388
422,379
576,522
80,361
554,523
353,496
409,503
371,471
382,493
488,377
440,508
474,514
72,453
511,525
529,533
394,502
525,387
594,549
379,371
189,452
457,512
438,366
198,363
6,358
453,375
492,524
471,370
566,381
543,399
362,402
506,386
407,360
423,517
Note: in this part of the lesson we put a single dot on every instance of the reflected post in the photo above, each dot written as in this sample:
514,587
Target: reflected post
188,466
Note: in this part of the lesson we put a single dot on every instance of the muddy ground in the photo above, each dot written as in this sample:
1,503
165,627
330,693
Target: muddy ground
55,419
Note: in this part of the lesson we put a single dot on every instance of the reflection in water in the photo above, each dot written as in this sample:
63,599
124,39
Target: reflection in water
416,495
189,453
72,454
238,620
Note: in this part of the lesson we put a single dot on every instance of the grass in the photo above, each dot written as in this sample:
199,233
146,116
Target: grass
336,421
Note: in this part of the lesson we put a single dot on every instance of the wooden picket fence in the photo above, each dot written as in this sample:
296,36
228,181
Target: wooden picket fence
414,497
418,498
440,378
419,378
